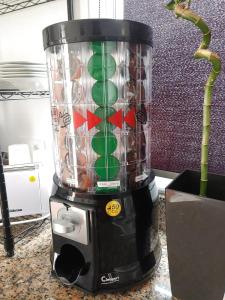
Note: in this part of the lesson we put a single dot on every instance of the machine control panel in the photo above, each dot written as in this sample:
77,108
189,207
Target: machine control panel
70,222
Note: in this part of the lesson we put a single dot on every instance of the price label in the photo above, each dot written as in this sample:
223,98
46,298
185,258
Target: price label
108,184
113,208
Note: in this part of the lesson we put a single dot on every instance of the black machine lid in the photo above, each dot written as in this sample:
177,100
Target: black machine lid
90,30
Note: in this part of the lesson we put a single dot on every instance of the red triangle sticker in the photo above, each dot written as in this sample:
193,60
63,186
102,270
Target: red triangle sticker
78,119
130,118
92,119
117,119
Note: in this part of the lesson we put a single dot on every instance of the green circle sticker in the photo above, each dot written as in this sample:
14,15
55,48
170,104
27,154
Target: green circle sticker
104,143
102,66
107,167
103,47
104,93
104,113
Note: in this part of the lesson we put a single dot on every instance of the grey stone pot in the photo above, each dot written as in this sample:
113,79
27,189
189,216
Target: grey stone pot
196,237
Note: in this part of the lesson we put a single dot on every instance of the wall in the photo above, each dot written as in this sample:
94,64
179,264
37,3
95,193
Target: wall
27,121
21,31
178,82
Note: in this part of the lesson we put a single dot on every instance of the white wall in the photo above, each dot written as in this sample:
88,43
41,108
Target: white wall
27,121
21,39
21,31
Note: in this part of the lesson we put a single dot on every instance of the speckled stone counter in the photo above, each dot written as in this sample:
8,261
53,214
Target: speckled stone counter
28,274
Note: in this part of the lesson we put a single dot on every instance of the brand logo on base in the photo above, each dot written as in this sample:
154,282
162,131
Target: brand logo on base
109,279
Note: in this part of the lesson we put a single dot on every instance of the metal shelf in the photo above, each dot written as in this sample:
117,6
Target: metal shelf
22,95
7,6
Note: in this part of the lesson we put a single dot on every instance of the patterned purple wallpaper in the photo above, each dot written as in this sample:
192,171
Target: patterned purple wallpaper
178,85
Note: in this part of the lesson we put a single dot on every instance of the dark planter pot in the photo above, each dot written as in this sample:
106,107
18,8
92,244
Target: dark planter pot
196,237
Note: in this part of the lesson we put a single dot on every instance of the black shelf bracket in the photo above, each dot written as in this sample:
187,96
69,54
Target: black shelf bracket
8,237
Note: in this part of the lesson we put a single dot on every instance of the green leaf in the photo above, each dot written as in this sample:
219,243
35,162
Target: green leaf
171,5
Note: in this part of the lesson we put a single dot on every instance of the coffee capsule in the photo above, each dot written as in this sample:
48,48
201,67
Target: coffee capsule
104,143
107,167
102,66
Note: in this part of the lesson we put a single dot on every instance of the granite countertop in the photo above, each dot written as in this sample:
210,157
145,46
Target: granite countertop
28,274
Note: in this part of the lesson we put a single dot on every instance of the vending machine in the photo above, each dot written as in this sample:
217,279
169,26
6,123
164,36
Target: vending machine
104,213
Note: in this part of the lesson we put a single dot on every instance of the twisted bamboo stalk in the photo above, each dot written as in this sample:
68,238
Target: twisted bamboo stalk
182,10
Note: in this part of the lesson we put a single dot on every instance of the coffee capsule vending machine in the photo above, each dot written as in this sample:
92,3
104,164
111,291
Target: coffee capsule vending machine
104,213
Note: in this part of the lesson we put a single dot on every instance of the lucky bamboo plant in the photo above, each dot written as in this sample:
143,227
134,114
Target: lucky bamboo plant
181,8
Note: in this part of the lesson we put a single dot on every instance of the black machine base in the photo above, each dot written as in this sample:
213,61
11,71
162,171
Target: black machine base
107,242
116,289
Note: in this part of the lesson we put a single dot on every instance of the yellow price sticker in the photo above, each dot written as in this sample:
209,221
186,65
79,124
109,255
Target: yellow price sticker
113,208
32,178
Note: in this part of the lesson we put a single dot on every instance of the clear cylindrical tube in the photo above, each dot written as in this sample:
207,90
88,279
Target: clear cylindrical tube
94,9
100,99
